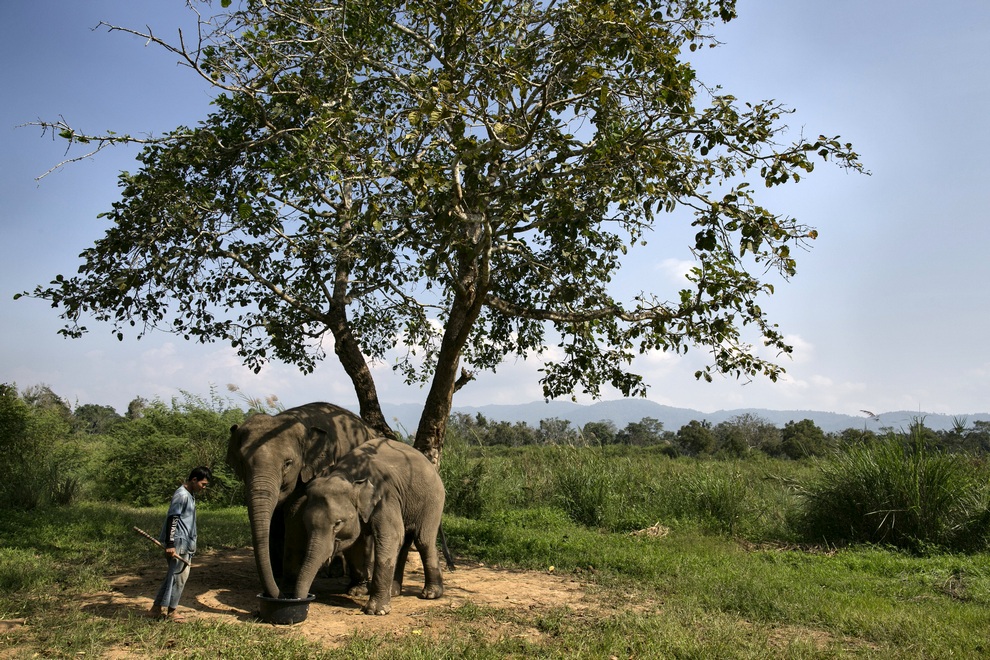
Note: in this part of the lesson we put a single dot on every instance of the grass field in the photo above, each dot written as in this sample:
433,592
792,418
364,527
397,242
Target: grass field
727,580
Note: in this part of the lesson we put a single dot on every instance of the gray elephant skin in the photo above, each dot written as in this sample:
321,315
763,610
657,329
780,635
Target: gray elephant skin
276,456
385,490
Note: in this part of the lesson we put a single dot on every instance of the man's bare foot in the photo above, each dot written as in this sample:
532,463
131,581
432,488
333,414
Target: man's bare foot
155,612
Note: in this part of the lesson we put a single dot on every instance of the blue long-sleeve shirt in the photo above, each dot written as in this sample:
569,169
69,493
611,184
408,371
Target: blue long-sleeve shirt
179,530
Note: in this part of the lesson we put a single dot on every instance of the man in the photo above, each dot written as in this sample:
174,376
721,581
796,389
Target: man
178,535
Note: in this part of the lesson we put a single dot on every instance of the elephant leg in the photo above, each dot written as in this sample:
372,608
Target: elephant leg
358,558
427,546
380,593
400,565
387,539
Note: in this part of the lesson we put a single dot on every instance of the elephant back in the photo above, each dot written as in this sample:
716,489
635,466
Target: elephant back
388,461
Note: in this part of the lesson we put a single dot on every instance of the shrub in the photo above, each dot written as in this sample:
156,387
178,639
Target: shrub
143,469
148,457
898,493
40,461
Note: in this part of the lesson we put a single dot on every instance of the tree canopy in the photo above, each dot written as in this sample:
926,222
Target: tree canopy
453,182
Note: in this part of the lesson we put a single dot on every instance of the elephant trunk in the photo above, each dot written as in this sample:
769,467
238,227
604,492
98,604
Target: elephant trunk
317,552
261,506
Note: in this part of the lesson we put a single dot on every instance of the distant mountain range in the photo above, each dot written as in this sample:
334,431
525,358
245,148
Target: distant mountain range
405,417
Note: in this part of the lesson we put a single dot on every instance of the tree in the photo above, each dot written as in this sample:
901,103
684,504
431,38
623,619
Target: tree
802,439
454,182
696,437
41,397
978,437
602,432
850,436
136,408
731,440
745,432
556,431
647,431
96,419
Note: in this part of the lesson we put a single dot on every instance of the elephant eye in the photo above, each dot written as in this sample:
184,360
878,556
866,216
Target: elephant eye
287,464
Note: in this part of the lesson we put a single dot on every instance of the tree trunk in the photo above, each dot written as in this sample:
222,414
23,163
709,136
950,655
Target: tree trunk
350,357
346,347
472,286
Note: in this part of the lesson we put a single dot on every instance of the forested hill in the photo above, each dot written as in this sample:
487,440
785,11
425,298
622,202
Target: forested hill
622,412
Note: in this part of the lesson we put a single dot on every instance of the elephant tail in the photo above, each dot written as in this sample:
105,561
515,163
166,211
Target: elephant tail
446,551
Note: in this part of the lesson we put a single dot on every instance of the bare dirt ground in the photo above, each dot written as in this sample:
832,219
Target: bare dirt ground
224,586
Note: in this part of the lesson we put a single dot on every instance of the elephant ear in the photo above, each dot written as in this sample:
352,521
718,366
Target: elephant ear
319,453
366,498
234,459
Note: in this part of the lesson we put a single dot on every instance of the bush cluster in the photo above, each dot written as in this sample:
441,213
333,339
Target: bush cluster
51,455
41,460
898,491
913,490
891,490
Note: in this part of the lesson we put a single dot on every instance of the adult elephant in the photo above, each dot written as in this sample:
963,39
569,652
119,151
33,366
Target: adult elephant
276,456
384,491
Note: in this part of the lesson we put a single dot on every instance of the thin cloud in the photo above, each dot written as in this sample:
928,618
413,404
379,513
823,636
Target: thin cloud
676,270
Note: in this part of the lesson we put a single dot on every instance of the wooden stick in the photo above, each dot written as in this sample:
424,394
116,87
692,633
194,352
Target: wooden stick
151,538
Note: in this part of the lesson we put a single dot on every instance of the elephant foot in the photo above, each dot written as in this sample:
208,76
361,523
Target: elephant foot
396,588
379,609
359,589
431,591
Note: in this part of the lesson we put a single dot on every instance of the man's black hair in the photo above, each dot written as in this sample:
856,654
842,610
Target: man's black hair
200,473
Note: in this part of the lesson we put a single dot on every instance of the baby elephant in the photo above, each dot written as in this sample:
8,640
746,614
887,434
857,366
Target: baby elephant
386,490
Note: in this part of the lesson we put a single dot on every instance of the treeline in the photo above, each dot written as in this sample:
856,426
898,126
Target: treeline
738,437
52,453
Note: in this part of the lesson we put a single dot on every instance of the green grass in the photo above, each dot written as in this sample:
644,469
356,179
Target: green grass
730,580
899,493
876,596
621,489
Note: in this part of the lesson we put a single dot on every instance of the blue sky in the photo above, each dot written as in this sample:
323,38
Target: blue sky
890,310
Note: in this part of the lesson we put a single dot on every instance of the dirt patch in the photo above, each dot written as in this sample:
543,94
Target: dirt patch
224,586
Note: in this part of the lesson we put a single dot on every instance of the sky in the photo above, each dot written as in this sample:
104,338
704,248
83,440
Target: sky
889,310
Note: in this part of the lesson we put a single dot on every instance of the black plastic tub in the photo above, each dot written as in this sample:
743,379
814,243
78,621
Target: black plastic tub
284,611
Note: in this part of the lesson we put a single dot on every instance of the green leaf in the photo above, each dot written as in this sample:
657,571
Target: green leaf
352,151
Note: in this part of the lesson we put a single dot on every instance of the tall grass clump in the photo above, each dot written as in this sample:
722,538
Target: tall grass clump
899,493
623,489
721,497
479,486
586,486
